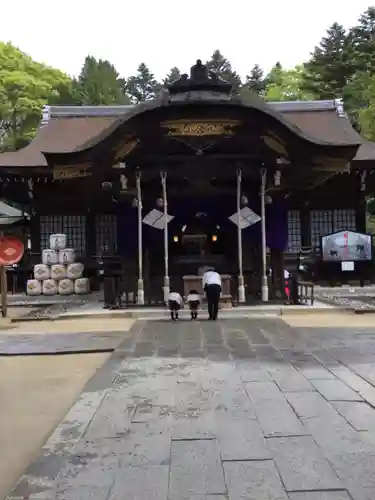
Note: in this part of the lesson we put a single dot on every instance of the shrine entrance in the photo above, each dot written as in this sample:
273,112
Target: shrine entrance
200,139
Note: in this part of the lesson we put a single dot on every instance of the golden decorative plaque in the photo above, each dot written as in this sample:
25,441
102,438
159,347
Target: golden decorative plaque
201,128
73,172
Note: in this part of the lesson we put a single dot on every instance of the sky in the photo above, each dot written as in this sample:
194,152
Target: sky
172,32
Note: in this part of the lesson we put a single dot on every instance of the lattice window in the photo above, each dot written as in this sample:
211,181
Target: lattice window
74,226
106,234
294,231
344,219
321,223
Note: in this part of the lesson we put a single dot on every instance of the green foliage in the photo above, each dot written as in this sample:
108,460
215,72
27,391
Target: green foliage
223,68
361,39
330,66
25,86
255,81
286,85
98,84
143,86
173,75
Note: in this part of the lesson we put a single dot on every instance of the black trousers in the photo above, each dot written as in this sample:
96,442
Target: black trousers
213,298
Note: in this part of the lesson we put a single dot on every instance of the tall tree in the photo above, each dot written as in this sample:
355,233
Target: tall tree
223,68
361,38
25,87
285,85
143,86
255,81
173,75
330,66
365,114
99,84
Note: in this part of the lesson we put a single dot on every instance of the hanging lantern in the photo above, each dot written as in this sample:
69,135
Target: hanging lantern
244,201
159,202
135,203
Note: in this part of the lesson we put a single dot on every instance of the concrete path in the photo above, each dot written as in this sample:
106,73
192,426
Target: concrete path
64,337
235,409
35,394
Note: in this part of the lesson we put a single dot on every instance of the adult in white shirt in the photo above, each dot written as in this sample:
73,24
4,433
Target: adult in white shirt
174,303
212,286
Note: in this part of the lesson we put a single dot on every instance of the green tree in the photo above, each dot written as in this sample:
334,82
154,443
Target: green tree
361,38
365,114
99,84
356,97
286,85
330,66
173,75
143,86
25,87
223,68
255,81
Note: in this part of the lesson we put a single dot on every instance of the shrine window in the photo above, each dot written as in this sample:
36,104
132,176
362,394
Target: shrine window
74,226
106,234
294,231
344,219
321,223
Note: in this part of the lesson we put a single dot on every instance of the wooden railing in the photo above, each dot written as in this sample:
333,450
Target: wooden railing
301,292
305,293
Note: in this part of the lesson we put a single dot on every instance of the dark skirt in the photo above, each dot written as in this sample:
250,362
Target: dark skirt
174,305
194,304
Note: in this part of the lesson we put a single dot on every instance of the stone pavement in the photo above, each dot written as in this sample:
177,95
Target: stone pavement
236,409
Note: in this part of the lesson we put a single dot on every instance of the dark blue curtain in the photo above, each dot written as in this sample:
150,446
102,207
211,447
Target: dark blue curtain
218,209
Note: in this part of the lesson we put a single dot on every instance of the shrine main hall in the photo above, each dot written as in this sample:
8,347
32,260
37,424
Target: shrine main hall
197,177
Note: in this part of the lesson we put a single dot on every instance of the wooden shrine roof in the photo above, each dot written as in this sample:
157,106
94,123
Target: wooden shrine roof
66,129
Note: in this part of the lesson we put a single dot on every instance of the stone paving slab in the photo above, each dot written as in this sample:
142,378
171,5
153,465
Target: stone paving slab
234,409
64,343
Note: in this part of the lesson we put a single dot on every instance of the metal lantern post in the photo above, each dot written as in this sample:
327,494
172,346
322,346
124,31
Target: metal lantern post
264,285
140,287
166,287
241,285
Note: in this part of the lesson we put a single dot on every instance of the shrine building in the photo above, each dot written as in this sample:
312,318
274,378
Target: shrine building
155,188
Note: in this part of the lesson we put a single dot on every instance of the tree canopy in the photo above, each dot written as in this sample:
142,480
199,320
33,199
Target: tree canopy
342,65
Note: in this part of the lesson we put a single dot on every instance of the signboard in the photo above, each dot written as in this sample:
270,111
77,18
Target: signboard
74,172
346,246
11,250
347,266
247,218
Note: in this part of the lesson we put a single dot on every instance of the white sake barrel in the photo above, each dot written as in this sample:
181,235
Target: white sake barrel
49,287
57,241
66,287
75,270
33,287
49,257
58,272
67,256
41,272
81,286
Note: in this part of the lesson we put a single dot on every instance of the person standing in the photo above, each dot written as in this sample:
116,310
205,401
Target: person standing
212,286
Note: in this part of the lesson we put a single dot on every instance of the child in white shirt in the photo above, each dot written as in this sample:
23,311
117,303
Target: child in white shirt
194,301
174,303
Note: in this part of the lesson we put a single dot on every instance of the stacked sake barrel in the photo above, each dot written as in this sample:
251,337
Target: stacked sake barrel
58,273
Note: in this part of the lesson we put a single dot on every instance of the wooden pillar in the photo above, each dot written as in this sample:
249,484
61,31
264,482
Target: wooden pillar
305,226
277,263
91,249
361,213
